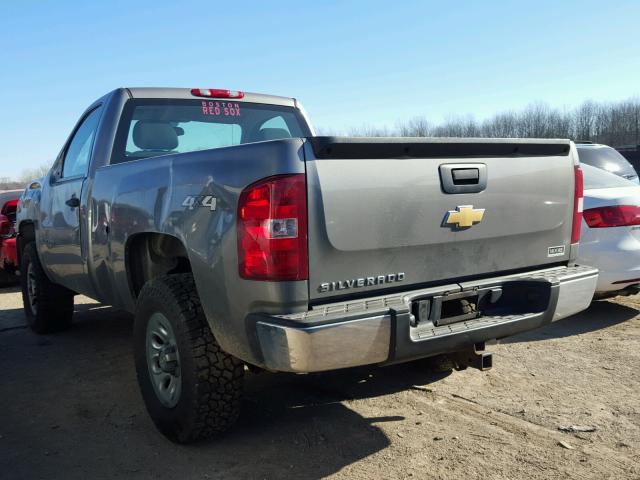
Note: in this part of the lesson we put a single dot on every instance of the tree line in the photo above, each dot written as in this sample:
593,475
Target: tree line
27,175
611,123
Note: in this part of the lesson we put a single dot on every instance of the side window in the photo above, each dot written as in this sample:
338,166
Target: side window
77,156
273,129
276,122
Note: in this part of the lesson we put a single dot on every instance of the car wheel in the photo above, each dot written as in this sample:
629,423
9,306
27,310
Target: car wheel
47,306
191,388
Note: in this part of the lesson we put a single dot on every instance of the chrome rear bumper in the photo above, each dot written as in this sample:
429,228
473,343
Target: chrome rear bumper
378,330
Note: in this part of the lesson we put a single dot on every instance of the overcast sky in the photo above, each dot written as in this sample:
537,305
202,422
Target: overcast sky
350,63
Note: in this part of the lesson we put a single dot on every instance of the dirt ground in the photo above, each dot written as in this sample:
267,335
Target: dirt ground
70,408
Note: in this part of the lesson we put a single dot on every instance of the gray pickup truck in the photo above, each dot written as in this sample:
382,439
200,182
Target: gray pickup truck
237,237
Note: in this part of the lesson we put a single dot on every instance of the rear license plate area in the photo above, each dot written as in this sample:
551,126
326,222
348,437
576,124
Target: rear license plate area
447,309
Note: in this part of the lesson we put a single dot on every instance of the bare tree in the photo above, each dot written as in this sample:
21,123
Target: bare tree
371,131
584,121
7,184
615,124
415,127
29,174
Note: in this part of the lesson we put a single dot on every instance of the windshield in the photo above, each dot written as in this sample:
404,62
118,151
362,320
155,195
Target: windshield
598,178
607,158
154,127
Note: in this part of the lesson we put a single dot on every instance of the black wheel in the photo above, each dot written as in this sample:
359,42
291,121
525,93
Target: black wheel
192,389
47,306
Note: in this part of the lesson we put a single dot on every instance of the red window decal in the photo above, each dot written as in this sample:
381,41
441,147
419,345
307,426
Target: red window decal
225,109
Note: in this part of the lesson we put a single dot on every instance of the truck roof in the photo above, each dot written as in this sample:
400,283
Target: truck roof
185,93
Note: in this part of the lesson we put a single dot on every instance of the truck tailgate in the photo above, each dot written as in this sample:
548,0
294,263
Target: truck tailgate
378,210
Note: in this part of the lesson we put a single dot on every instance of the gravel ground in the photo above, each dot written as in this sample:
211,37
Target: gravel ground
70,408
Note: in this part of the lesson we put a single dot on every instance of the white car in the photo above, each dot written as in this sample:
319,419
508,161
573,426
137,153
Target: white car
606,158
610,238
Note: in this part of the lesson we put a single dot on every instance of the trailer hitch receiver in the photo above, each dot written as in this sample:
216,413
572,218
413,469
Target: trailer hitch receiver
474,357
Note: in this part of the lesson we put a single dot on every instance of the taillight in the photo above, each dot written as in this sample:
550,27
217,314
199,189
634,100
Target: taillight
6,226
612,216
272,229
216,93
578,199
10,207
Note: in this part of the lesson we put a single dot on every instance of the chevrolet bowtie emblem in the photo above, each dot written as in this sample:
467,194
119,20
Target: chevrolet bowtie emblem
464,216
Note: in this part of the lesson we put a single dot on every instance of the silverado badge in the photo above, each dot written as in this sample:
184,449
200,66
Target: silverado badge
464,216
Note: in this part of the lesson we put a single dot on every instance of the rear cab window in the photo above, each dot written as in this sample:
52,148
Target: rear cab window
154,127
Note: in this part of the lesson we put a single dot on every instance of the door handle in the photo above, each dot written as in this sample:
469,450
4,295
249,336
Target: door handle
73,202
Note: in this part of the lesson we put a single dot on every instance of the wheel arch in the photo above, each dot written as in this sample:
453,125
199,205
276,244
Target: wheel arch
26,234
150,255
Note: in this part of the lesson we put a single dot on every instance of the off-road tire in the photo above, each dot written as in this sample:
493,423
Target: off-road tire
211,380
54,303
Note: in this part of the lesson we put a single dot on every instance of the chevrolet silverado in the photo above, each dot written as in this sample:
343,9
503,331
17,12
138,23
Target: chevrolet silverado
238,238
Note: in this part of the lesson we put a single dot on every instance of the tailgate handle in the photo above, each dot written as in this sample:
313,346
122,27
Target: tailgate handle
463,177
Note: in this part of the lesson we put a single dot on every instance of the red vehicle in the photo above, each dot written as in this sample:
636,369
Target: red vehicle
8,258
